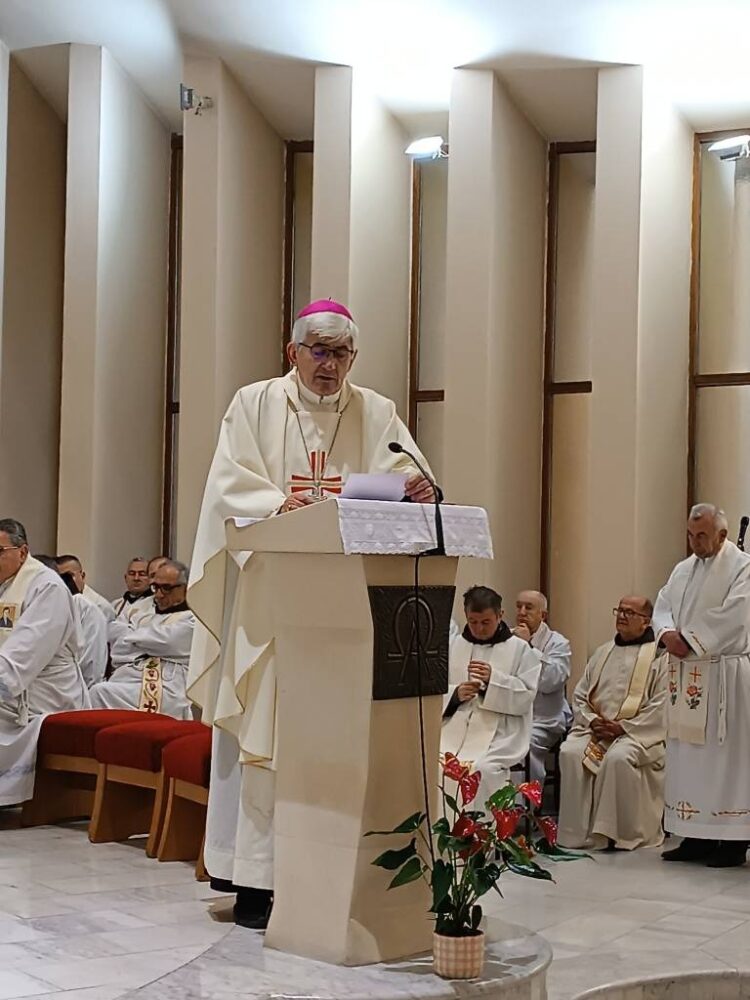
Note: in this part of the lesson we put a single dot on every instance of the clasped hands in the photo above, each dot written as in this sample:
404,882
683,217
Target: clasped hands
418,488
606,729
673,642
479,678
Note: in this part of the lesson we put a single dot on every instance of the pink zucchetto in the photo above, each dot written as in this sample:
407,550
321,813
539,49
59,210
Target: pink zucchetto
326,319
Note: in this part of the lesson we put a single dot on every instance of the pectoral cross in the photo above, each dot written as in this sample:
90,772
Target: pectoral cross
317,483
672,672
695,675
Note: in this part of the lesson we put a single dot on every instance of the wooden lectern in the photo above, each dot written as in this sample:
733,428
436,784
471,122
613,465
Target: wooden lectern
348,739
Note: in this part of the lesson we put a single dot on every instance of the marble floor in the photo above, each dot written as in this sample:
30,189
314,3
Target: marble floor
96,922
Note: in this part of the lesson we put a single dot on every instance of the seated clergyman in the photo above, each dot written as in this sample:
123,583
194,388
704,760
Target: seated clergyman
39,672
154,654
492,684
612,763
137,585
72,564
135,613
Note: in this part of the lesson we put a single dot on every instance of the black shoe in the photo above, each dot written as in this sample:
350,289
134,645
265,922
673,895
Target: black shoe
253,908
728,854
691,850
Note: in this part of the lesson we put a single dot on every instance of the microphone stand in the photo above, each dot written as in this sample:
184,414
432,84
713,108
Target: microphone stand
744,522
439,549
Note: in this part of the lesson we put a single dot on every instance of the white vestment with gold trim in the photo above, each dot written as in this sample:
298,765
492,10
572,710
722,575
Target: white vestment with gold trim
276,438
707,791
616,791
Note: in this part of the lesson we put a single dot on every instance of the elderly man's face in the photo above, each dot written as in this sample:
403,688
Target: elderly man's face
153,566
483,624
75,569
136,577
322,365
704,538
529,610
12,557
168,593
632,620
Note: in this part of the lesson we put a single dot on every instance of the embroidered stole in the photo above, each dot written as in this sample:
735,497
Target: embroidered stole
470,731
11,604
152,689
594,753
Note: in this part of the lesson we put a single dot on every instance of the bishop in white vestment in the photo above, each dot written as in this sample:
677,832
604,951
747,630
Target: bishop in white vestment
552,714
283,443
612,763
492,683
702,619
151,658
39,672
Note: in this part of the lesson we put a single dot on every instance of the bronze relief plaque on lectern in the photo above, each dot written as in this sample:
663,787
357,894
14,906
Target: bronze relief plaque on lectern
399,670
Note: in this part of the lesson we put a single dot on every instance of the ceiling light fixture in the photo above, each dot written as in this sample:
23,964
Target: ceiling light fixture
431,147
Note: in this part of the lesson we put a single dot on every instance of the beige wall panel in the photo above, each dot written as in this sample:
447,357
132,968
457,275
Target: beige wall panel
492,423
432,274
722,445
231,271
303,195
31,362
568,570
575,253
430,418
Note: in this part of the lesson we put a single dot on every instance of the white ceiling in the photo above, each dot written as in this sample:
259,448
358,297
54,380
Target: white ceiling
408,49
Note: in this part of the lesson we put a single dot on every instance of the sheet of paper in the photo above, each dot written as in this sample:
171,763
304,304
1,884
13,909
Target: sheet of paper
376,486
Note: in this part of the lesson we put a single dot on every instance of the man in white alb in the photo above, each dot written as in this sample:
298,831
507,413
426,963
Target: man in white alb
137,585
552,714
151,658
137,612
72,564
702,619
612,763
492,683
39,672
283,444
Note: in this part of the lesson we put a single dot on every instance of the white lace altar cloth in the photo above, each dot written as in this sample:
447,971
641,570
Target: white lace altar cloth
378,527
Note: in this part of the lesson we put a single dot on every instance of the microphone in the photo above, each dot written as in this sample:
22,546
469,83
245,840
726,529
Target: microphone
744,522
439,550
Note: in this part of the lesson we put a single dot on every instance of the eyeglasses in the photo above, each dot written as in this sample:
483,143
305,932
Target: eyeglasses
167,588
320,353
628,613
8,548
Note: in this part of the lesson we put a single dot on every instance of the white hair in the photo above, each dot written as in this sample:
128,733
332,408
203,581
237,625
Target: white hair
541,599
716,513
326,326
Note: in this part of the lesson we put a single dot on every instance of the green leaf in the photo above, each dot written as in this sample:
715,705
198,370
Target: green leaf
408,826
442,826
442,876
391,860
503,797
555,853
476,916
530,870
411,871
451,802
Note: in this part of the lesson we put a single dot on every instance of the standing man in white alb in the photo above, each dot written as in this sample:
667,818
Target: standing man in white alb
702,619
552,713
284,443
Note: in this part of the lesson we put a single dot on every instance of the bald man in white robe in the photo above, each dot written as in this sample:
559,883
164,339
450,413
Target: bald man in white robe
283,444
612,763
39,672
702,619
151,659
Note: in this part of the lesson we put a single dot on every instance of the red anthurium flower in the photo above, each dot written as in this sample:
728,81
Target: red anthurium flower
453,768
507,821
532,790
464,827
549,828
469,786
525,846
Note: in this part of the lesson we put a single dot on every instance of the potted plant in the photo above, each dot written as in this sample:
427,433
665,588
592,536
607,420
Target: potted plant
464,854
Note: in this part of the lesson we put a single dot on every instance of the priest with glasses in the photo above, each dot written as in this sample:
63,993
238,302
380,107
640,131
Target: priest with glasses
283,444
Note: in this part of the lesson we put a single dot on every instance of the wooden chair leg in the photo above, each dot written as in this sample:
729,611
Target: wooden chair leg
157,817
184,828
201,874
120,811
58,796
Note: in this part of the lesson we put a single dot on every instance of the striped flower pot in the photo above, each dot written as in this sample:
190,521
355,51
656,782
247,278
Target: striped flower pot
458,957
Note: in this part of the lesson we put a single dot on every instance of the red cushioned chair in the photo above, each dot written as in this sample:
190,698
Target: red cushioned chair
186,765
66,768
130,791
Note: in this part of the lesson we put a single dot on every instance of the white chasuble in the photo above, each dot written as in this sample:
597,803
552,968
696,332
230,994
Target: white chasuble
708,747
276,438
39,672
492,730
615,790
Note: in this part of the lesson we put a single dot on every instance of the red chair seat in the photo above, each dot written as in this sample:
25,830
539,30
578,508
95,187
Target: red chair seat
74,733
189,758
140,744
